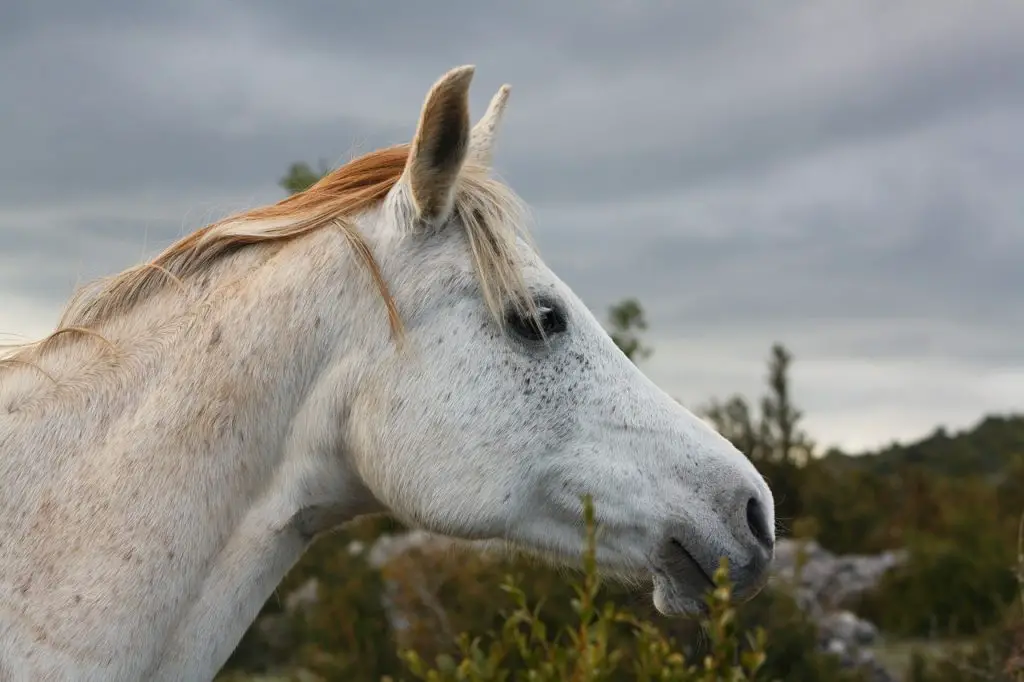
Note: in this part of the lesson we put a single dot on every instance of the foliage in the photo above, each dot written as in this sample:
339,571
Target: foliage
773,438
584,650
346,635
996,656
470,617
301,176
950,586
627,320
987,449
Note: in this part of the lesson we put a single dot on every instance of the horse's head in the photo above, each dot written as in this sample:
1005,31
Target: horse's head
507,401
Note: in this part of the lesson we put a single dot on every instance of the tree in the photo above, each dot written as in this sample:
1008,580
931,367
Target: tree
775,434
773,439
784,440
734,420
301,176
626,319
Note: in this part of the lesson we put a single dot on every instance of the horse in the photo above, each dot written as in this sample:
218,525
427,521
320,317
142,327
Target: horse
387,341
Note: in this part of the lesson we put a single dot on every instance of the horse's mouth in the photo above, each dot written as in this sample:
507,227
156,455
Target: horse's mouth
693,567
681,582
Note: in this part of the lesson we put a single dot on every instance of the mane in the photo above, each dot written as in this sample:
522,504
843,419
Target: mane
488,210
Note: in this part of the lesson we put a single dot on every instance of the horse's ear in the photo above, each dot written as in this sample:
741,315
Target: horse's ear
440,146
481,139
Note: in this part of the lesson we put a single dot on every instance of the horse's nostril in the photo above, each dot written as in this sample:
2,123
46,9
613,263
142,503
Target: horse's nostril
758,523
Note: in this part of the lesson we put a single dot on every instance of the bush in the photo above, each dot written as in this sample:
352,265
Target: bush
958,584
579,630
585,649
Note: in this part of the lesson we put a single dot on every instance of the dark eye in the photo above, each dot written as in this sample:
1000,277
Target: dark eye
550,320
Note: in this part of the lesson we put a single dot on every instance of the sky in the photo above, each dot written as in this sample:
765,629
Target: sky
841,177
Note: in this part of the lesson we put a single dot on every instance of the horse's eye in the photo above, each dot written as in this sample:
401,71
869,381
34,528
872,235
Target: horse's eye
550,320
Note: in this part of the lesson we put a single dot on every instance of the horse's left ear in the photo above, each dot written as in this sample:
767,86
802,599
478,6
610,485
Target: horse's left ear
440,146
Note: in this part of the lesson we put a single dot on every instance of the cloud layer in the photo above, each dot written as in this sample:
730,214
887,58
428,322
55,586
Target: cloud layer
842,177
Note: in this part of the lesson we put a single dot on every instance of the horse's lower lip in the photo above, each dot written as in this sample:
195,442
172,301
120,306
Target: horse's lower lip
675,599
681,582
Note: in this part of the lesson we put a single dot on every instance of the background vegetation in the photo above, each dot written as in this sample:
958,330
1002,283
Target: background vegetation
953,500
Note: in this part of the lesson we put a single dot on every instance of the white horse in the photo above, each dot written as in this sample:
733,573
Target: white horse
387,341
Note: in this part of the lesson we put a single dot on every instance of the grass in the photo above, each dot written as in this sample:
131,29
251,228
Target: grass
896,654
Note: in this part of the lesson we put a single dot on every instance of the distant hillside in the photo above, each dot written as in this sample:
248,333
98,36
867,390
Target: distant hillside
987,449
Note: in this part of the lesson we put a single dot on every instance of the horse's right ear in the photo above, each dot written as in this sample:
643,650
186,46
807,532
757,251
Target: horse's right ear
481,138
440,146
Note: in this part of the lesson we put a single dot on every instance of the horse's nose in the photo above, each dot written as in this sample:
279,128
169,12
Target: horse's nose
757,525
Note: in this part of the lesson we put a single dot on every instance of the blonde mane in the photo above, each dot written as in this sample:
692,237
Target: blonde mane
491,214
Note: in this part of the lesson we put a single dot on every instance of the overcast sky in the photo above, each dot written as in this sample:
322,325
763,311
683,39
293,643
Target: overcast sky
844,177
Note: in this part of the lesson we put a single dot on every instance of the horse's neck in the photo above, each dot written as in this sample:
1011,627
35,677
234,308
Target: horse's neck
150,508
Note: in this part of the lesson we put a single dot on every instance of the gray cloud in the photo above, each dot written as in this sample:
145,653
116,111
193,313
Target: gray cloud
840,176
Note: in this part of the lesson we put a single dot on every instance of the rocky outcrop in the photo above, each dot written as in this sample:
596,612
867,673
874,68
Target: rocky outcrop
821,581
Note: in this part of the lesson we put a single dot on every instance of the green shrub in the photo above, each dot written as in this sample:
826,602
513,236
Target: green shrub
954,585
579,629
584,650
